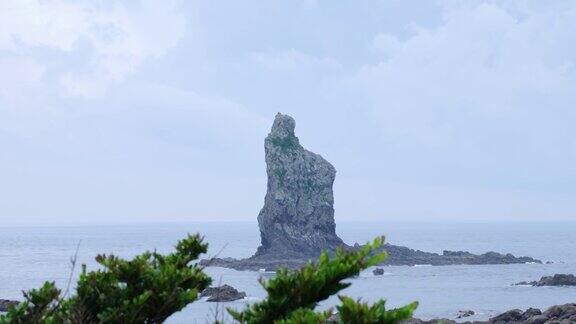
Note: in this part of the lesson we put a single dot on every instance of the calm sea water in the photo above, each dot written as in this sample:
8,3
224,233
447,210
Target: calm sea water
31,255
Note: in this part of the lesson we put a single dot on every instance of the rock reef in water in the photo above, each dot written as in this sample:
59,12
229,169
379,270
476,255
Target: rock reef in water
224,293
297,220
555,280
558,314
465,313
401,255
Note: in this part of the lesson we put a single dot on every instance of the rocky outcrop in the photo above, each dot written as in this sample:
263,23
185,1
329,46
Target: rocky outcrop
518,316
224,293
400,255
5,304
560,314
378,272
465,313
297,220
555,280
397,255
566,312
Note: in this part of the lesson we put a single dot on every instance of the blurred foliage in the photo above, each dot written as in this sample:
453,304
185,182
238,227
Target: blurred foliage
293,295
355,312
151,287
147,289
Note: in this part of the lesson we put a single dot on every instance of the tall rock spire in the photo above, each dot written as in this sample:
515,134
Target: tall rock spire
298,215
297,220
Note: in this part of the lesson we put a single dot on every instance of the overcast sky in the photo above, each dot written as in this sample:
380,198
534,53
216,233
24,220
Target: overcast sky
152,111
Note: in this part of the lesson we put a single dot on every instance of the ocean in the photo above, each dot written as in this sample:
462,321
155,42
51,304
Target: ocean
31,255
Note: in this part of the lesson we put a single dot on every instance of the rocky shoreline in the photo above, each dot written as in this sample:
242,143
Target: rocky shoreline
397,256
559,314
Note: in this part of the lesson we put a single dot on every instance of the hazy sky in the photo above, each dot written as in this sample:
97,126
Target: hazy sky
116,111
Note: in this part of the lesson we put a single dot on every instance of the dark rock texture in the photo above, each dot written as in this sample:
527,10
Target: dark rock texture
400,255
555,280
378,271
560,314
513,316
297,220
224,293
5,304
566,312
465,313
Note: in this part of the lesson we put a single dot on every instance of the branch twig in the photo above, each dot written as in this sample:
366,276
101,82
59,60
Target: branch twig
72,268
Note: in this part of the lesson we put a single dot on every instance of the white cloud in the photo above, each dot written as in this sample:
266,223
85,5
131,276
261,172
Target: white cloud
192,115
310,4
54,24
292,60
109,40
18,77
387,45
485,62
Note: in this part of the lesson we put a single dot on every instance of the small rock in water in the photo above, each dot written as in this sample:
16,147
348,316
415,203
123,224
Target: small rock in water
525,283
465,313
378,271
559,314
5,304
555,280
224,293
558,280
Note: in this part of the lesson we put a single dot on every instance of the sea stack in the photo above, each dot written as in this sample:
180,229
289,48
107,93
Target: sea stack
297,219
